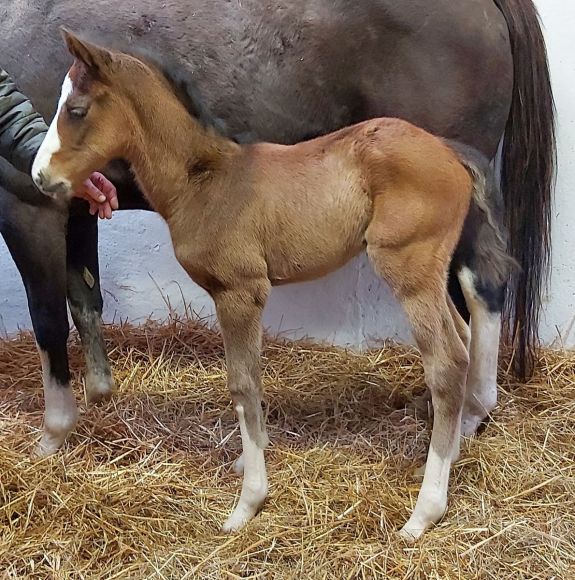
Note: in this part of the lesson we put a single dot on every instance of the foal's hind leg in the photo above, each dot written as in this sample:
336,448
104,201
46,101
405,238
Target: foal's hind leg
422,402
445,362
85,301
460,325
239,314
416,271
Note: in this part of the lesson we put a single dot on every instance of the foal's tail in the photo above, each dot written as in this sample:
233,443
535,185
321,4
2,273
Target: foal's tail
527,174
483,245
486,196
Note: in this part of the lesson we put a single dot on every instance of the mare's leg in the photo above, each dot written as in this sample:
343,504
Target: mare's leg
415,265
85,300
239,313
35,237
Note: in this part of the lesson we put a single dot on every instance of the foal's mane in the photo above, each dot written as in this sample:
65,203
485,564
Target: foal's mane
173,71
183,87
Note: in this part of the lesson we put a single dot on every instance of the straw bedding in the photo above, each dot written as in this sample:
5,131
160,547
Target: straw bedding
144,482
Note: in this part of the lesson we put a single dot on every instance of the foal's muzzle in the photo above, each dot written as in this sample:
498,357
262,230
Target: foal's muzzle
50,186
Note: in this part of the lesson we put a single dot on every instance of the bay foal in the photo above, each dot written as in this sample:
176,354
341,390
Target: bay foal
245,218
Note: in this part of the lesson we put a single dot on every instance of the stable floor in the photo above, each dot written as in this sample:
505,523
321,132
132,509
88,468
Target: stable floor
143,484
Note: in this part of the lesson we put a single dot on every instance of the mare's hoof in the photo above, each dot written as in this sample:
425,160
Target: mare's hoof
99,388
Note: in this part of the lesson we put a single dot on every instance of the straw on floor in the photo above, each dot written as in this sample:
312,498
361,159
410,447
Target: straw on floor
143,484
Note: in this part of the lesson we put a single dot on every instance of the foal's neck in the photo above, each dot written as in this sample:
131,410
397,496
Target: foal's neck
171,152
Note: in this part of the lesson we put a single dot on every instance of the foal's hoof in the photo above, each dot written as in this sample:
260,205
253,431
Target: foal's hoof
250,503
470,424
410,534
246,509
239,518
414,528
471,421
47,446
427,512
234,524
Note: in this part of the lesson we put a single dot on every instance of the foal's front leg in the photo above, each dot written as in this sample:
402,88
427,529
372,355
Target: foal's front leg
239,313
85,301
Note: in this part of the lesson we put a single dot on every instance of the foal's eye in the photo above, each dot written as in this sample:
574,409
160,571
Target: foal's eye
77,112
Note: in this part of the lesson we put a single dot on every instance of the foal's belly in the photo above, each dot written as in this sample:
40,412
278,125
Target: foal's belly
304,264
316,230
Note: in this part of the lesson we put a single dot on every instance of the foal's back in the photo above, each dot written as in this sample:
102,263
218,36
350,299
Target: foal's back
316,199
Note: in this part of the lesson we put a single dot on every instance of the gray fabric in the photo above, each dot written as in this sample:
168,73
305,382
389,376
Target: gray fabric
22,129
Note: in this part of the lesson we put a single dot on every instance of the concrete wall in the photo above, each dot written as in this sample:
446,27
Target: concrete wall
142,279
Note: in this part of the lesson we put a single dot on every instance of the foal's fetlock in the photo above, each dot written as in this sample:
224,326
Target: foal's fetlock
251,500
254,491
252,461
428,511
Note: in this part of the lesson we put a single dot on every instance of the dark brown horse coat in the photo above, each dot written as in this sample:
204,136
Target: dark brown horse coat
284,70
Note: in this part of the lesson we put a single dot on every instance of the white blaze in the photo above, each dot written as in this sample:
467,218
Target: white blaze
51,143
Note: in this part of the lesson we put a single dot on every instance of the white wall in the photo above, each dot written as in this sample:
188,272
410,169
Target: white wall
140,274
559,21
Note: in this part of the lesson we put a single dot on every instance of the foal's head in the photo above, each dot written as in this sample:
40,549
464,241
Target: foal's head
96,116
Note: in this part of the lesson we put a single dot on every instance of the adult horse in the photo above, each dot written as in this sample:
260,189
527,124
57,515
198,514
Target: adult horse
283,71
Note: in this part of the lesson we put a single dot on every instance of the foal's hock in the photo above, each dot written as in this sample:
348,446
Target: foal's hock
244,218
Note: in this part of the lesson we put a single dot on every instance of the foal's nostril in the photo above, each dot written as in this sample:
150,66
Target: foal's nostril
40,179
58,187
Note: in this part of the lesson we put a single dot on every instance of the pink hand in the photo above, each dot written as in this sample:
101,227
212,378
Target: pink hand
100,194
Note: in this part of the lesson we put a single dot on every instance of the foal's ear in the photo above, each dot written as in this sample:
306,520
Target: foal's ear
98,59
